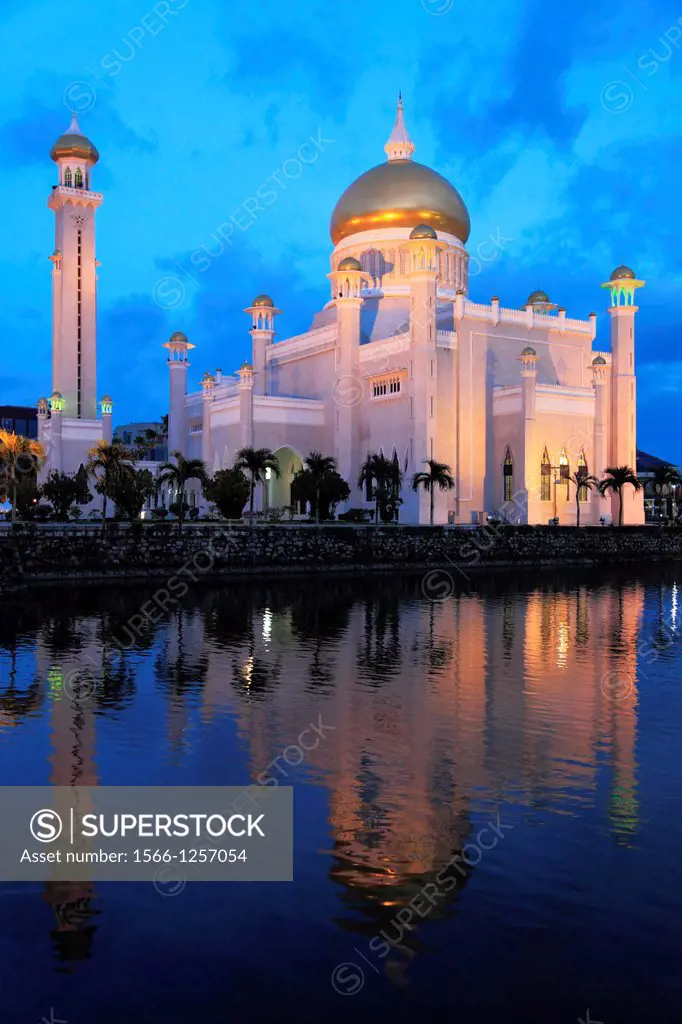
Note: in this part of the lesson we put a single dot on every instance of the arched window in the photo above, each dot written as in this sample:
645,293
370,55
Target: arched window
546,477
78,178
67,177
582,471
565,472
508,475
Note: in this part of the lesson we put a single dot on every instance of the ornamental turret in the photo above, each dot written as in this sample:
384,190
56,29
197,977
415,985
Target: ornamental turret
263,312
178,348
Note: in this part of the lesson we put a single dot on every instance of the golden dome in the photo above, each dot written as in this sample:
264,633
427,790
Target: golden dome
423,231
263,300
599,361
623,273
400,194
74,144
529,351
350,263
536,297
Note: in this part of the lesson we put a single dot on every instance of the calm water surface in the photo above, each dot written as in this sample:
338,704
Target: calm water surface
552,708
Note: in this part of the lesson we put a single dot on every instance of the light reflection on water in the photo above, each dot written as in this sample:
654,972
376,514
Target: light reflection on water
553,704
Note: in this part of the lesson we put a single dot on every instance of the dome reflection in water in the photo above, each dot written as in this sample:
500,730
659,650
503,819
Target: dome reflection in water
546,712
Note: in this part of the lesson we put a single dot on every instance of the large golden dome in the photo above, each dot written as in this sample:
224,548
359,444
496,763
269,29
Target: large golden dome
400,194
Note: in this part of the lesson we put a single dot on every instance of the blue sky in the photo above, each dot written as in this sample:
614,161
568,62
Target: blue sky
559,125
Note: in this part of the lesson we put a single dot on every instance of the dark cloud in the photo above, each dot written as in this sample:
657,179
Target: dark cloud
293,58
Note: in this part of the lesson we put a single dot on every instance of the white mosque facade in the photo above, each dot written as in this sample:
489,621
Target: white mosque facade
399,360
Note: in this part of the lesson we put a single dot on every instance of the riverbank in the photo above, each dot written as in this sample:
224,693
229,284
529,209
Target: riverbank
53,553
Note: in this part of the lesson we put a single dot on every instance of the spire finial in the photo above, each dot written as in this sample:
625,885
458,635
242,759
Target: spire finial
399,146
74,127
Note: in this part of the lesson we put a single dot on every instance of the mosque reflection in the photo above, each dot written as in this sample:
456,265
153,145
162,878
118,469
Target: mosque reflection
440,713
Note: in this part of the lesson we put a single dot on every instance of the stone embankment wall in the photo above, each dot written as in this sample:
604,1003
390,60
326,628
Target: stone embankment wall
51,552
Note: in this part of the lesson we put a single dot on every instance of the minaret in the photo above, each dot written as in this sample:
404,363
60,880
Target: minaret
422,251
178,346
56,410
43,410
245,388
623,446
107,407
527,459
207,391
262,334
74,274
347,281
600,378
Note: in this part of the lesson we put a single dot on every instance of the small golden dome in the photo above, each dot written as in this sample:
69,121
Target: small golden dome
423,231
74,144
599,361
246,365
528,351
537,297
108,399
400,194
178,337
263,300
622,273
350,263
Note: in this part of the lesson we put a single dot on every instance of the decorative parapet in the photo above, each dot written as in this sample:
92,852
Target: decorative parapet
321,338
551,399
288,411
494,313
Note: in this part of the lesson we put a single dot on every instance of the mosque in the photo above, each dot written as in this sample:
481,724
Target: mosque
399,360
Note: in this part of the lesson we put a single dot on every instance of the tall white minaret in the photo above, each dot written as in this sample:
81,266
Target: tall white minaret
622,286
74,275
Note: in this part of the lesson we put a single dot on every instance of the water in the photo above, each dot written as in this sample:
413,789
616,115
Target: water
551,708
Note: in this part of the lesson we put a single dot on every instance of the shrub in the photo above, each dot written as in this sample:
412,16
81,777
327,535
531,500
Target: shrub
355,515
228,489
175,507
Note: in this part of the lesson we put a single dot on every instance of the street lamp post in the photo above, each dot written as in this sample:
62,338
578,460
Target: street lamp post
557,481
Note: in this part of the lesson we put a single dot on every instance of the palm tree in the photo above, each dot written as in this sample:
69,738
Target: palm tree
179,474
579,480
384,477
256,462
615,479
437,475
319,466
19,456
108,464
